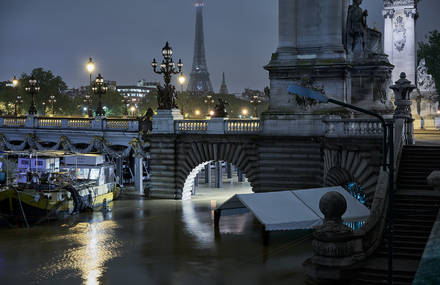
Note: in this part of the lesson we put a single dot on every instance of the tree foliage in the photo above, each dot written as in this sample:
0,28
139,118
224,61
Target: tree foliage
430,51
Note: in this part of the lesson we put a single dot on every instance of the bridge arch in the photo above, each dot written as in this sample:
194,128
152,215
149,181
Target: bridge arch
196,155
345,166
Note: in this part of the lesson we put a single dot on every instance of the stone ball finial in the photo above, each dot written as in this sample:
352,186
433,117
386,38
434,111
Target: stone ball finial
333,205
403,75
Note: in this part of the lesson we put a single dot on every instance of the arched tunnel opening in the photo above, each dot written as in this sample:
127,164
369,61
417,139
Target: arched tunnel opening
215,179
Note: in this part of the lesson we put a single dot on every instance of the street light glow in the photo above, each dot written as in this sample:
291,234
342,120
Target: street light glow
182,79
244,112
211,113
197,112
14,81
90,65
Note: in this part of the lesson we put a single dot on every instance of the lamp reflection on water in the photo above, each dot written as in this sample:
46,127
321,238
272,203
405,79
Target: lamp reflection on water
94,245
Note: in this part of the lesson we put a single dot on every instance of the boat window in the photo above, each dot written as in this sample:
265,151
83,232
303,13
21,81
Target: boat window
94,173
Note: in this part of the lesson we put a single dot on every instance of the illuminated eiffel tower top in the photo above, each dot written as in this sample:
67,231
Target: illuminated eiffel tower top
199,82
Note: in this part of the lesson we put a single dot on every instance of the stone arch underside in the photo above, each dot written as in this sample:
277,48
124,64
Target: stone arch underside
196,154
95,144
343,166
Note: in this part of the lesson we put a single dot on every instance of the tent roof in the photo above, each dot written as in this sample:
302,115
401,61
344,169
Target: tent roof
291,210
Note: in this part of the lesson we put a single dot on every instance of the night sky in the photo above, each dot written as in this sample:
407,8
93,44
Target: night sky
124,36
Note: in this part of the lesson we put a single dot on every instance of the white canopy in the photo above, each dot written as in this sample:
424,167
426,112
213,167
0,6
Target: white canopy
291,210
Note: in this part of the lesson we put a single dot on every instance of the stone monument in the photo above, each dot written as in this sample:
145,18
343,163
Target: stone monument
400,36
328,46
425,101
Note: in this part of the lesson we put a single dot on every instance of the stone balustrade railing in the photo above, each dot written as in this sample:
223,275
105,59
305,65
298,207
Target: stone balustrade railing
99,124
217,126
352,127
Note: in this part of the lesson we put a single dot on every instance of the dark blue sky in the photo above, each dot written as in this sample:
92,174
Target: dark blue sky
123,36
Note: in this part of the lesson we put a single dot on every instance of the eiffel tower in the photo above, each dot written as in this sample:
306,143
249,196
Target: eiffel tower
199,82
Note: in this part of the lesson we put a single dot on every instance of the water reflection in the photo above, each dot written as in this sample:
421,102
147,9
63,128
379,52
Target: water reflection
95,245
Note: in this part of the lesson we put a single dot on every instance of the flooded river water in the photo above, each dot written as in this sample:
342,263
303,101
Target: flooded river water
153,242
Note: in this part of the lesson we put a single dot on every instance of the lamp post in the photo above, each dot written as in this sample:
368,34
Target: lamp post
32,89
132,109
388,152
182,80
255,100
125,102
90,68
99,88
52,101
44,108
18,101
166,96
14,85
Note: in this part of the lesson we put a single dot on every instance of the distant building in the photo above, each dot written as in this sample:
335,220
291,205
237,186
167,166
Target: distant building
74,92
250,95
136,93
223,87
111,84
149,84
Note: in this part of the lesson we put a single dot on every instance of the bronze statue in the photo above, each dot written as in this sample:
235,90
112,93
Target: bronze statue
220,109
356,28
166,97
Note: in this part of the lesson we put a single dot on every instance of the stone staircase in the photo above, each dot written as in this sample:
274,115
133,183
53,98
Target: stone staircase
415,208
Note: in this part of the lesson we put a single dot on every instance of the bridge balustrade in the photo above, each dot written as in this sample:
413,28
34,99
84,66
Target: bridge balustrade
13,122
217,126
104,124
353,127
191,126
242,126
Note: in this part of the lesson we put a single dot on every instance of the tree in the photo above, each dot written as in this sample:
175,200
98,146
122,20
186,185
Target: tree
430,51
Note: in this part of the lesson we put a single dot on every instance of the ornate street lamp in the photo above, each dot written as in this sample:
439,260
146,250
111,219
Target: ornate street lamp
18,101
99,88
166,96
255,100
90,68
52,101
32,89
125,102
14,85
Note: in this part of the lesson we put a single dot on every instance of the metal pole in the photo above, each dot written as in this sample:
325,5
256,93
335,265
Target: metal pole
390,203
384,157
387,130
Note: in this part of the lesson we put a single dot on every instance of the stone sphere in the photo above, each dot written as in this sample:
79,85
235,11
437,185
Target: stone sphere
333,205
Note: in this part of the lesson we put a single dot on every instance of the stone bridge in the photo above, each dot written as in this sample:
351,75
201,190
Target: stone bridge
118,138
338,151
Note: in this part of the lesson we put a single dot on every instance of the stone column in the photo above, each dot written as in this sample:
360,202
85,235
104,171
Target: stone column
410,56
196,180
218,175
240,175
287,25
138,174
330,26
208,174
118,171
229,170
388,14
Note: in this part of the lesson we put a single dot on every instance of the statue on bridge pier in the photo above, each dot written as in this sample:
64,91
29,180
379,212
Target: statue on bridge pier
356,28
220,109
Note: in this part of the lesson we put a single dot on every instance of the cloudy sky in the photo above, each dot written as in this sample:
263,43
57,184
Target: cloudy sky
123,36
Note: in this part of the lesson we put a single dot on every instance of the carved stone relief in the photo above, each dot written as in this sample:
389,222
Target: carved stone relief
399,33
